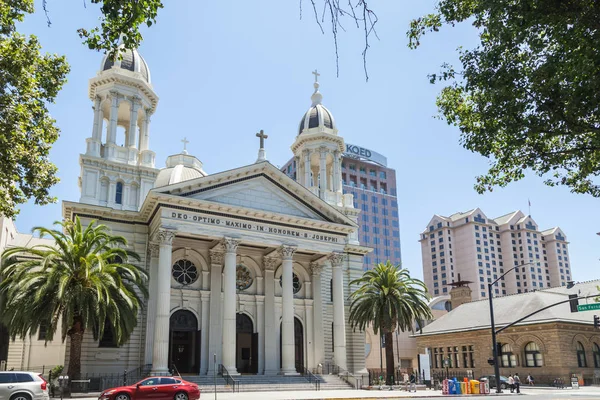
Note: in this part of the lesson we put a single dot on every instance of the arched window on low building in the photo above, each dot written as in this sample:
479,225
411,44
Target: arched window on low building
581,361
509,359
533,356
596,355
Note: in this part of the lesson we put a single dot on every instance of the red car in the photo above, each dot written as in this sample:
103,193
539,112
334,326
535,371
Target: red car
154,388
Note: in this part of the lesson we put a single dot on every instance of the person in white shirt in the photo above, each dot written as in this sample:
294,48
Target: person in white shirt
511,384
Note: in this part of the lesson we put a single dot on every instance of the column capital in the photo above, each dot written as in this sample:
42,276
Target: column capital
323,150
153,249
316,268
336,259
287,251
230,244
270,263
216,256
306,152
165,236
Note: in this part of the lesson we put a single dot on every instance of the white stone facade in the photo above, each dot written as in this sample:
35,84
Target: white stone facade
246,266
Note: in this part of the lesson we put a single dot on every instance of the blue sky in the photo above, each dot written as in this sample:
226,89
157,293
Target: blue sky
224,70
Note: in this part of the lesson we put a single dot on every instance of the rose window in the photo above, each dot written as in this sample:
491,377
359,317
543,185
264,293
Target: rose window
243,279
185,272
297,285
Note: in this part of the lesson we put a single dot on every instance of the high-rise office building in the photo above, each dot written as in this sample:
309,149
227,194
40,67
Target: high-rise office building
366,175
481,249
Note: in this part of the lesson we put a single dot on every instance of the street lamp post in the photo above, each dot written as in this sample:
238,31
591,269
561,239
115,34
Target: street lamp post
493,326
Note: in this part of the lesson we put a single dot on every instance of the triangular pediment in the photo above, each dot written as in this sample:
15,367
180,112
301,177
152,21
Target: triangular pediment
259,194
258,187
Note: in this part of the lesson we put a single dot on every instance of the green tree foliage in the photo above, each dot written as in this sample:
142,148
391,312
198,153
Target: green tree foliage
82,281
121,21
528,96
29,80
387,299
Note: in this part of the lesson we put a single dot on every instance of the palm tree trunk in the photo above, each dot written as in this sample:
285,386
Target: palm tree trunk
76,338
389,357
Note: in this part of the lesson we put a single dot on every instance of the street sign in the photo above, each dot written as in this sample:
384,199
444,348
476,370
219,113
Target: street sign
588,307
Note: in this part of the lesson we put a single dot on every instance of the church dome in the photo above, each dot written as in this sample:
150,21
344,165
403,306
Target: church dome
131,61
180,167
317,116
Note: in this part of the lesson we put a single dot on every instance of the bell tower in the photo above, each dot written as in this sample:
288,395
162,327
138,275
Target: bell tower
117,169
318,153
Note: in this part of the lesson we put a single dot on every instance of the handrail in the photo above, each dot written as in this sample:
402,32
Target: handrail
309,376
347,376
235,385
176,370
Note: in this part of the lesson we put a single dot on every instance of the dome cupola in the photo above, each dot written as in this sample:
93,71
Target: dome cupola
317,116
180,167
131,60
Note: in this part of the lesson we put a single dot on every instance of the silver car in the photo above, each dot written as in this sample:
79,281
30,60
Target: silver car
17,385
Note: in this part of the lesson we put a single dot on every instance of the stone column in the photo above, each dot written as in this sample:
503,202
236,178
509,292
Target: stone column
229,297
288,359
152,300
114,110
260,325
316,269
216,321
310,351
339,319
97,130
204,359
145,130
337,172
133,116
323,172
163,304
307,178
270,336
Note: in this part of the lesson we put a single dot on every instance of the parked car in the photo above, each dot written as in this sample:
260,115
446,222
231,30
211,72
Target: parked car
154,388
19,385
492,380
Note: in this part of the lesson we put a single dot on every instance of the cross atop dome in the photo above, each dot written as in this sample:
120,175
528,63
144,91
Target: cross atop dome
316,74
316,97
185,142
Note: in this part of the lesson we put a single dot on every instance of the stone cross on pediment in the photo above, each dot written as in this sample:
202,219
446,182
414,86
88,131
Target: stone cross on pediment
262,137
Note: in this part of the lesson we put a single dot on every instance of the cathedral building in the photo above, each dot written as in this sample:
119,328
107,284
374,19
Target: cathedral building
247,266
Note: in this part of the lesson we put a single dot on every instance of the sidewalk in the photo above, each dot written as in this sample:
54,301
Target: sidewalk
324,394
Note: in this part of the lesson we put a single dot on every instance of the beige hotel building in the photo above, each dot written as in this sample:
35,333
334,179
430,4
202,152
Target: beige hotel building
481,249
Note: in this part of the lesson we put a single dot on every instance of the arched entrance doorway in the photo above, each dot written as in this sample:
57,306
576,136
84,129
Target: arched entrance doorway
246,353
298,345
184,342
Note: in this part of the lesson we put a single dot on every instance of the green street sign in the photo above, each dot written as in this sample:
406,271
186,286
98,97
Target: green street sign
588,307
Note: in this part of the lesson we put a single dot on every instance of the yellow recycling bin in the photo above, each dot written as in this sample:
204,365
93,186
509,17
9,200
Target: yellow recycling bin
463,388
474,387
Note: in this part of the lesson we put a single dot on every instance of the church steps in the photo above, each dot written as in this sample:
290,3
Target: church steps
257,383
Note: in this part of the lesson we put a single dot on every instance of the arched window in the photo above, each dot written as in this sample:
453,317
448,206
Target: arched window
533,357
509,359
119,193
596,356
581,361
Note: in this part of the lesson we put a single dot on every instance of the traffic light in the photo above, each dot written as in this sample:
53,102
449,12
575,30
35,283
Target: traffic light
573,302
596,322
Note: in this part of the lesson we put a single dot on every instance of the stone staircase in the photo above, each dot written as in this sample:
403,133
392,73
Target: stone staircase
261,383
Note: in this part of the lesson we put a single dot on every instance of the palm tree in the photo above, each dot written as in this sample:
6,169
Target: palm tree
83,281
388,299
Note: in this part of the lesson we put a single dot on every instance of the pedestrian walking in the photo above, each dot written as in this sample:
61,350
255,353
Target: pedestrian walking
530,380
413,382
517,383
511,384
